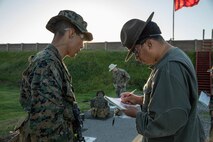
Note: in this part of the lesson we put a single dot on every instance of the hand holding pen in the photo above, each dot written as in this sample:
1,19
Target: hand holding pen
131,98
127,94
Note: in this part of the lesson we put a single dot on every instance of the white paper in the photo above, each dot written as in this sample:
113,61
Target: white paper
204,98
117,102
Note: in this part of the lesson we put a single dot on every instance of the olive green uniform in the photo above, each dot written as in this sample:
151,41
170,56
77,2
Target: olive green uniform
169,113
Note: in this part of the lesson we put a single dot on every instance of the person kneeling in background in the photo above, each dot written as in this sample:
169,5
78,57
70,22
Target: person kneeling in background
99,106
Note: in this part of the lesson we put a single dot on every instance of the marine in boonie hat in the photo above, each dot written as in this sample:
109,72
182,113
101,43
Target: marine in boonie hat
112,66
136,31
74,19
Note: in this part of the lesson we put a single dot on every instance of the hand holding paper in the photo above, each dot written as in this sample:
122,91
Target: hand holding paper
131,111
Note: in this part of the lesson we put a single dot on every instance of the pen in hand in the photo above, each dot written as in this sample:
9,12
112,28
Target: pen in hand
127,95
133,91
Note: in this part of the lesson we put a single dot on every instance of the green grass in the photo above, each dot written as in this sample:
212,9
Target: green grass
11,112
9,104
10,109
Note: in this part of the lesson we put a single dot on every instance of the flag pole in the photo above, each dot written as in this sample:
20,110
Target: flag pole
173,24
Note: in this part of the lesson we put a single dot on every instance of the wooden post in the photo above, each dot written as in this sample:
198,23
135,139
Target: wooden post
7,47
36,46
21,46
105,45
85,45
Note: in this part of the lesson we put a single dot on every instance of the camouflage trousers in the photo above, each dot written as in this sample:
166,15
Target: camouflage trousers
33,138
119,90
100,112
24,135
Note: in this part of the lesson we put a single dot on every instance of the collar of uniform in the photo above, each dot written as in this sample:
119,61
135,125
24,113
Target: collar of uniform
55,51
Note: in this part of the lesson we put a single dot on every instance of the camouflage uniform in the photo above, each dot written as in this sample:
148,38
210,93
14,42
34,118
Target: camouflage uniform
48,97
120,79
99,107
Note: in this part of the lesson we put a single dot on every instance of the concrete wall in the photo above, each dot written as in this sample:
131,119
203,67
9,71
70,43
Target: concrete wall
186,45
23,47
108,46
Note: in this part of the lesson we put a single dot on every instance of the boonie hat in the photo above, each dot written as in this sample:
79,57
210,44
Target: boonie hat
73,18
112,66
131,32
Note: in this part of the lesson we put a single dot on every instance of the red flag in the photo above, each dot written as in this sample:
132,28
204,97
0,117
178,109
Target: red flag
187,3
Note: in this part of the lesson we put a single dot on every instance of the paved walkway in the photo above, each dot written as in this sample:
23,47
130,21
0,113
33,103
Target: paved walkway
124,130
102,130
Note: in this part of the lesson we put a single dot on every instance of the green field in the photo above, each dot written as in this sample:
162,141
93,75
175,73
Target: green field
89,72
10,109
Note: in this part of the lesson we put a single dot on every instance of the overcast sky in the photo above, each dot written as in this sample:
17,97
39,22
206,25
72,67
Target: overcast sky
24,21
